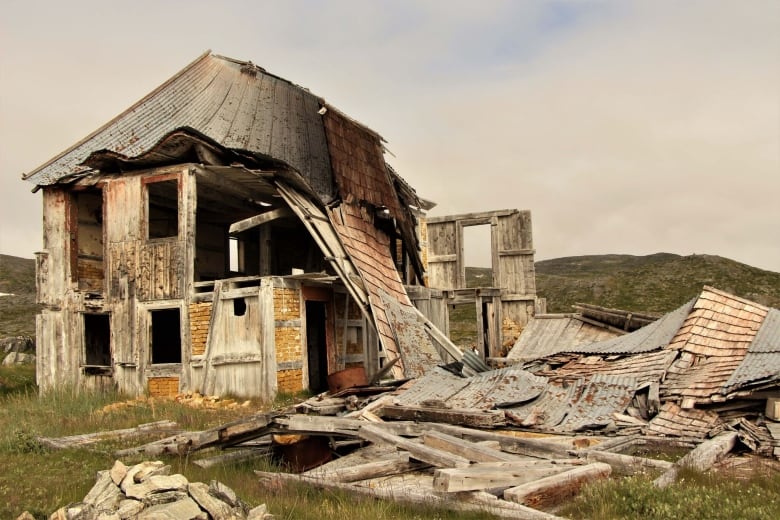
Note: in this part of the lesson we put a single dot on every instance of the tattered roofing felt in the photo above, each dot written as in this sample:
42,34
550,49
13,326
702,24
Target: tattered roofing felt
234,104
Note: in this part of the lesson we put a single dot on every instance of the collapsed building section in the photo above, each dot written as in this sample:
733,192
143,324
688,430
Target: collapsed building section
232,233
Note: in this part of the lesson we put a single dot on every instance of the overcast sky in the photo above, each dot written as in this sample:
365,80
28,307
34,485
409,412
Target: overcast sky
625,127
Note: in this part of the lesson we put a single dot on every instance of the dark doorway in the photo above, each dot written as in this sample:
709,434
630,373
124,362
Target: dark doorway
166,336
97,340
316,346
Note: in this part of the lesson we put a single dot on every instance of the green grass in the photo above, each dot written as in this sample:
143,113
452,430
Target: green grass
40,480
695,496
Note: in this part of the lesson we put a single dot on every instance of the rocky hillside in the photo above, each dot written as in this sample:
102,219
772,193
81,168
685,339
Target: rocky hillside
655,283
18,309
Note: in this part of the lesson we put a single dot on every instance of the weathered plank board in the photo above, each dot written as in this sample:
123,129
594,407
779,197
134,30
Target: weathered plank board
86,439
486,419
470,450
438,458
627,464
488,476
700,458
553,490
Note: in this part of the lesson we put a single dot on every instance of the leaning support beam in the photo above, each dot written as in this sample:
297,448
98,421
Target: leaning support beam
438,458
700,458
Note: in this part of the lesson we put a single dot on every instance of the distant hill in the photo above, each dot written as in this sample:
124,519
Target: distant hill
17,312
654,284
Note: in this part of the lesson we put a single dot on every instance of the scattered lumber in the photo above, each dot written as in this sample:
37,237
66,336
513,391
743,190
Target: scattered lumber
433,456
461,502
700,458
476,418
86,439
627,464
492,475
472,451
398,463
518,445
553,490
231,457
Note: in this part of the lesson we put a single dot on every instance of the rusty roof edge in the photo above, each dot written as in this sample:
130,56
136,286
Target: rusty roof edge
114,119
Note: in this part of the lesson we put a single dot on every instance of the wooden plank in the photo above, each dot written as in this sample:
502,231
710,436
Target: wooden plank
518,445
470,450
438,458
399,463
479,502
86,439
489,476
700,458
486,419
553,490
627,464
259,220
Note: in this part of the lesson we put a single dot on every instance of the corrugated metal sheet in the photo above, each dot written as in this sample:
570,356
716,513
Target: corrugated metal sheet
646,368
504,387
544,337
418,353
762,361
650,337
602,396
233,103
436,385
569,405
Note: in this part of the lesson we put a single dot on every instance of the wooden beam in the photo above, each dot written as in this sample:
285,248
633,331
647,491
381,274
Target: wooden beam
529,447
259,220
490,476
438,458
486,419
553,490
627,464
399,463
470,450
700,458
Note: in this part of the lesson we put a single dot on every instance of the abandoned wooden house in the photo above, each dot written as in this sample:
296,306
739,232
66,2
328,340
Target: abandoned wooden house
233,233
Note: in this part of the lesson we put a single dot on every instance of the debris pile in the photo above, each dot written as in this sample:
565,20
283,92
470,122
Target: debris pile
148,491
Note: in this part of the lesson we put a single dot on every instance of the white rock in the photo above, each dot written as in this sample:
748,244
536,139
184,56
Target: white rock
156,484
185,509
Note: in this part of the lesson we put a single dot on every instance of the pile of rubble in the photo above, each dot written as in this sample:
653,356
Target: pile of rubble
148,491
191,399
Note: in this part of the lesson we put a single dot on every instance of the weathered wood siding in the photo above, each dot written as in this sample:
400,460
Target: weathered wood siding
443,246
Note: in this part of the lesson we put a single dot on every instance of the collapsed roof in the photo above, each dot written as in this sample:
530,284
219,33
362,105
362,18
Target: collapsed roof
682,375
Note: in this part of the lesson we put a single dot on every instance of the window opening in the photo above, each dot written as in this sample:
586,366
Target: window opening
166,336
233,254
97,339
463,325
163,209
476,255
239,307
